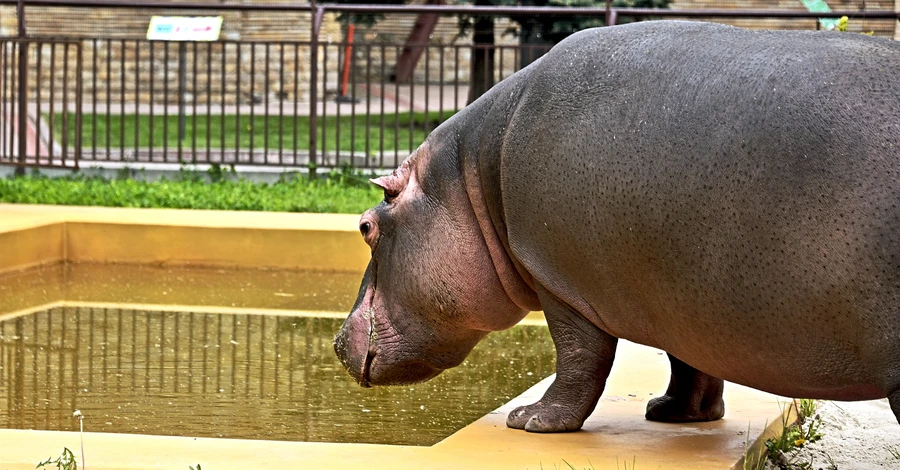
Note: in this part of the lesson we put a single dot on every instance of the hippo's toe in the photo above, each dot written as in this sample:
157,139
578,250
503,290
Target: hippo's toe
543,418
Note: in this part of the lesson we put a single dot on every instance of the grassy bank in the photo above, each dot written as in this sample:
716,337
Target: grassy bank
402,131
340,192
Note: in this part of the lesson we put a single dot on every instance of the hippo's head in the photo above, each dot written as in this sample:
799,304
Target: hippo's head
431,290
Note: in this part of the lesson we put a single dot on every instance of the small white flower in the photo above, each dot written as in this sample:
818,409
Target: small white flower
77,414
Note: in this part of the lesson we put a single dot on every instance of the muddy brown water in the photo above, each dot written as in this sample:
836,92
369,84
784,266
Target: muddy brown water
135,364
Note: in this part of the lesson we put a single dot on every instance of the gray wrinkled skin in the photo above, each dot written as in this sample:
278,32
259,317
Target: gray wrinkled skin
728,196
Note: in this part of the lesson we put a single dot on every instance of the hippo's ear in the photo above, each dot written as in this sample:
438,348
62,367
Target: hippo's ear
391,184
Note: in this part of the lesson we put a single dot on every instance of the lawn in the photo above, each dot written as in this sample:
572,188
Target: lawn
404,131
340,192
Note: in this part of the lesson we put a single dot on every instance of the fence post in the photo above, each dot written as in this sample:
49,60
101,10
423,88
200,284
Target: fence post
317,12
22,114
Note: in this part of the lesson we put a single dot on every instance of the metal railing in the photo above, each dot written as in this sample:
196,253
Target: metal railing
70,100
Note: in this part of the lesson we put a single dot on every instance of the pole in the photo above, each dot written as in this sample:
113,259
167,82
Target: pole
22,114
316,23
182,85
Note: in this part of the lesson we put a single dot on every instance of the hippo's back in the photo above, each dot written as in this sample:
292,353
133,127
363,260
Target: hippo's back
691,180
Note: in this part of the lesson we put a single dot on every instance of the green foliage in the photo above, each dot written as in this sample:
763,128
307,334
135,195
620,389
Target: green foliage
806,408
895,452
403,131
66,461
191,467
345,191
793,437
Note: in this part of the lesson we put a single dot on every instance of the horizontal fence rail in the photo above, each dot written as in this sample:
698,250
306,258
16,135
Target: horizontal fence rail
298,104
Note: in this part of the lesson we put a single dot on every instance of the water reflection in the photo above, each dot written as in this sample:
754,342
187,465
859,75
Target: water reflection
238,376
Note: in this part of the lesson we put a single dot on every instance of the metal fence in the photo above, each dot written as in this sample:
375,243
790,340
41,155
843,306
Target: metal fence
80,99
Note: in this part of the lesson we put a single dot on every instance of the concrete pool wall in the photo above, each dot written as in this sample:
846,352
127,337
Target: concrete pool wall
615,434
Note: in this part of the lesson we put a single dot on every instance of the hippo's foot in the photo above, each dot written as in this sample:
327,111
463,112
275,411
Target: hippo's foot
584,356
540,417
691,396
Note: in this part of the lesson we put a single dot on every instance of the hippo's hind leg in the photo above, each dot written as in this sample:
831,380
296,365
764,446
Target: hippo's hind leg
584,357
691,396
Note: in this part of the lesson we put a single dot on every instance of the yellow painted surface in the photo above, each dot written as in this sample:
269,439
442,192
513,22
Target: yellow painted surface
328,242
616,433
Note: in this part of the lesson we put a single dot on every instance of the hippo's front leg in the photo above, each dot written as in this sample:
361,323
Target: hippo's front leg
584,357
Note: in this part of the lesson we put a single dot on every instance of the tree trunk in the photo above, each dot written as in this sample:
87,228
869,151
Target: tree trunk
532,43
481,77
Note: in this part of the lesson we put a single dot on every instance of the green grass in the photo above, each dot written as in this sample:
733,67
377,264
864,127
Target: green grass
341,192
132,130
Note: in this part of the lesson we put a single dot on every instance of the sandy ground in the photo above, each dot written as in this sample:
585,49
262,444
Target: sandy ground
856,436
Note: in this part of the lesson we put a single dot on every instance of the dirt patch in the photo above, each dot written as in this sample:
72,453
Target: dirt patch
855,436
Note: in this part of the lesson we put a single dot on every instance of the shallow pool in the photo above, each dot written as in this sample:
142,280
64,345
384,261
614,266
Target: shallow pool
254,375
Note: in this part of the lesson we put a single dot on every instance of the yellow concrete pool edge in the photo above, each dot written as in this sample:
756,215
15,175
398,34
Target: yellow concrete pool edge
615,434
32,235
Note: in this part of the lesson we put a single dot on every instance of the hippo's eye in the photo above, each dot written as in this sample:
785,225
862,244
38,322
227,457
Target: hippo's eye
364,228
390,195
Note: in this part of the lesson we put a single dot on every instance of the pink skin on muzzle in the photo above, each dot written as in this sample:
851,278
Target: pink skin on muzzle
353,344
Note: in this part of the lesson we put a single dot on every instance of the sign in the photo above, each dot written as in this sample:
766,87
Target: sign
819,6
184,28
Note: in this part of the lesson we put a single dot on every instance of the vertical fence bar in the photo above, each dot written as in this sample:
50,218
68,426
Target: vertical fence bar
281,97
353,87
381,92
137,99
297,102
65,108
368,79
22,117
324,141
194,104
223,99
165,101
426,122
94,98
4,66
237,105
152,103
456,78
339,108
266,105
441,84
396,113
410,112
79,118
209,48
52,117
108,98
38,92
251,98
182,87
317,15
122,114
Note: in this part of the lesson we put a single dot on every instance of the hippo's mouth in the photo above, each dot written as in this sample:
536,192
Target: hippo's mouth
364,381
368,308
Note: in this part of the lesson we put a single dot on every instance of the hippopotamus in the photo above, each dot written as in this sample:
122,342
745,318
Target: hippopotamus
731,197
